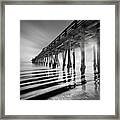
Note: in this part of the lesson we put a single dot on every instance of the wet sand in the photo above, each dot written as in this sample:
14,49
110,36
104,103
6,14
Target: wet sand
89,91
54,84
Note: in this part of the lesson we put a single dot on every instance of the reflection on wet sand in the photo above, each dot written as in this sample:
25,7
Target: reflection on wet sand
56,84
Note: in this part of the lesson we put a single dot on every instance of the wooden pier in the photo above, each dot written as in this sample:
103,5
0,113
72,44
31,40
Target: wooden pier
77,34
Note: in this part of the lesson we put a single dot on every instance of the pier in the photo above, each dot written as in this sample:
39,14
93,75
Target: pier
61,76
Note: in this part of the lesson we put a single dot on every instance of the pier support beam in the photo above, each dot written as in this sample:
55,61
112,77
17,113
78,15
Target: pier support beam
50,61
41,61
94,63
64,59
69,65
46,61
73,58
98,54
56,60
82,69
94,59
69,60
82,64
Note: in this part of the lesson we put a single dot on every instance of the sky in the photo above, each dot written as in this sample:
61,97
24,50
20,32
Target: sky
37,34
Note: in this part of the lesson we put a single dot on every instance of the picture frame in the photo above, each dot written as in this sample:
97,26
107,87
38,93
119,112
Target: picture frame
2,67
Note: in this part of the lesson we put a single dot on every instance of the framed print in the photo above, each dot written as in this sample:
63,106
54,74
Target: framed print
60,60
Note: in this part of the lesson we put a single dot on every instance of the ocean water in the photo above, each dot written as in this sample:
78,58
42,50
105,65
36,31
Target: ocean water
29,66
36,80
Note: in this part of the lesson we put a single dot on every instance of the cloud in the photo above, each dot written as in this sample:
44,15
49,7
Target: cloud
37,34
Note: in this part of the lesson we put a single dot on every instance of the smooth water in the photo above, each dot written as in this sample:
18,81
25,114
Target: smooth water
38,79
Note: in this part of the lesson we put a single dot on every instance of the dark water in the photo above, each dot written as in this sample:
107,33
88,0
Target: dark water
38,82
